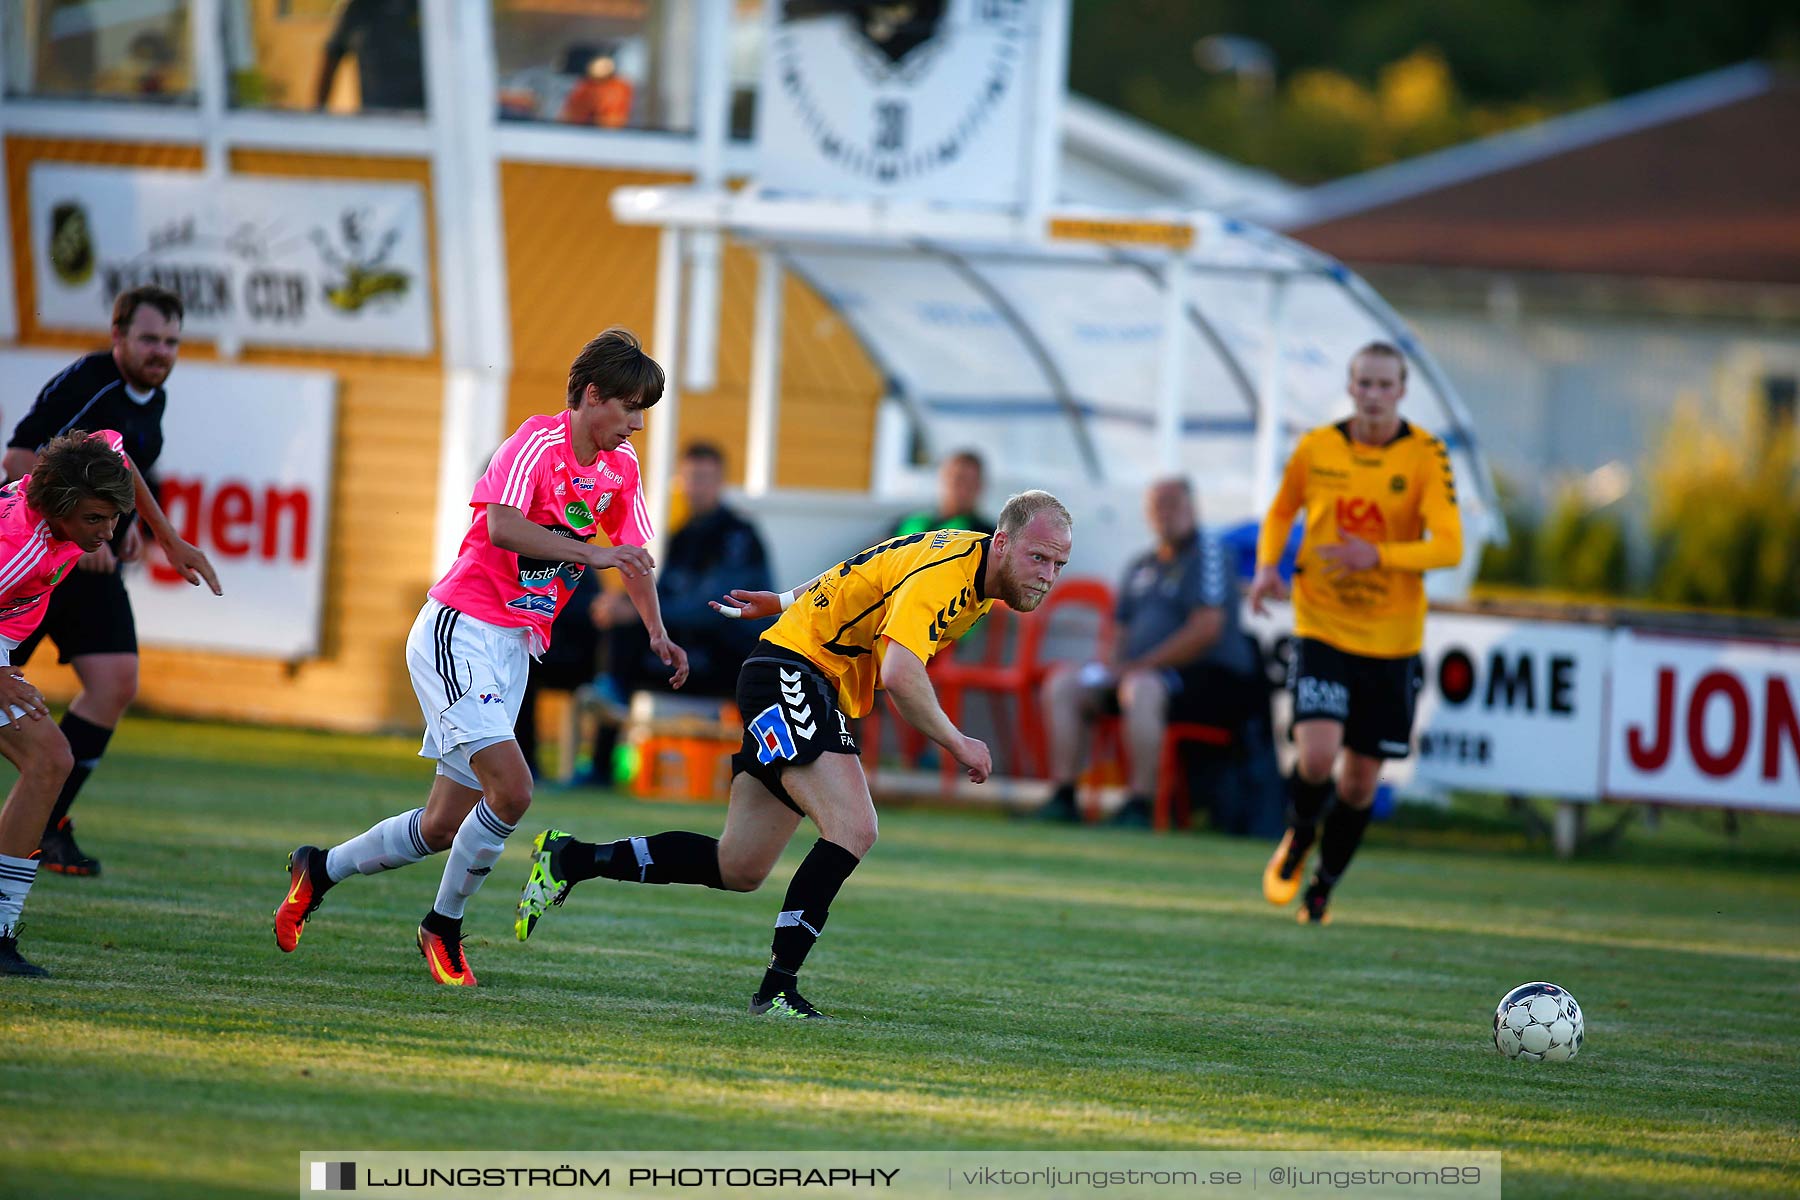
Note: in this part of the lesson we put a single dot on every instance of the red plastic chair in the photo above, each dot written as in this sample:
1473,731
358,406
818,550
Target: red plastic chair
1172,799
1173,804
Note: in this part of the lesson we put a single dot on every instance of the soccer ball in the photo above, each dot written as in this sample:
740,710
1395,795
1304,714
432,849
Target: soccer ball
1538,1022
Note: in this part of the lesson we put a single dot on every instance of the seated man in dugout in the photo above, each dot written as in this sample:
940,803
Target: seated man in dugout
1178,655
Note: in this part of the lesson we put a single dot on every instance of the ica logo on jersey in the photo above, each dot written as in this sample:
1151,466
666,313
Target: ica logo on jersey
1361,517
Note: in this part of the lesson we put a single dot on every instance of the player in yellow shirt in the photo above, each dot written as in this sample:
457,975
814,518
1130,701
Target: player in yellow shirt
1380,505
874,620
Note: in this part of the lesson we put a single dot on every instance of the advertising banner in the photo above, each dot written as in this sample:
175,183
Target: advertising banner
1704,721
245,474
268,261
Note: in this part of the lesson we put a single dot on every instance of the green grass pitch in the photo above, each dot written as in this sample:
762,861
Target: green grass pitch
1000,986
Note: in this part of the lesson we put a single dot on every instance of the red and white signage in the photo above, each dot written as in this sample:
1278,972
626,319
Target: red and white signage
245,475
1704,721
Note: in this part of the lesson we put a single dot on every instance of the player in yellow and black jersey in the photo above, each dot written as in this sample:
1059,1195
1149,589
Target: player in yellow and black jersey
1380,501
873,620
921,591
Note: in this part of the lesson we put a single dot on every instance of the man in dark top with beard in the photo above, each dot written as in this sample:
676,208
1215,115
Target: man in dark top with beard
89,616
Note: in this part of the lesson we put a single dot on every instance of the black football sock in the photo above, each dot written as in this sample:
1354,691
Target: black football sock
674,857
87,742
1306,801
448,928
1344,828
316,871
803,913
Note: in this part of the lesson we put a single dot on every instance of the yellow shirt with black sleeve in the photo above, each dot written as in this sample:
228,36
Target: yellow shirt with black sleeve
923,591
1390,495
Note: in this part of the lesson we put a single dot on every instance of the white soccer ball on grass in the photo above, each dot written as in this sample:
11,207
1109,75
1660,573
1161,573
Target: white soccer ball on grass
1538,1022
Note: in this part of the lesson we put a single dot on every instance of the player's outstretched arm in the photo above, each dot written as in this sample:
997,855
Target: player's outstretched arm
184,556
903,675
752,605
642,590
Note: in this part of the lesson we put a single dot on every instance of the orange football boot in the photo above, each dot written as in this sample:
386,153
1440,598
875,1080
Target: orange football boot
303,899
1279,888
444,959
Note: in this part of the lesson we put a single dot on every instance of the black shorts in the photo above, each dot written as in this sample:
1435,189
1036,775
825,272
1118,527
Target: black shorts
1372,698
791,716
88,613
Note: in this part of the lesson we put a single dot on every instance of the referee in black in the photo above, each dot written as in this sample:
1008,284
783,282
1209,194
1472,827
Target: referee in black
89,616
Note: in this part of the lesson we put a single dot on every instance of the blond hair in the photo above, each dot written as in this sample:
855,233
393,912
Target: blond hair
1021,508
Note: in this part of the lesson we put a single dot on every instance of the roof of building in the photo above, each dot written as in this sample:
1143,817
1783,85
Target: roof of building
1111,160
1696,180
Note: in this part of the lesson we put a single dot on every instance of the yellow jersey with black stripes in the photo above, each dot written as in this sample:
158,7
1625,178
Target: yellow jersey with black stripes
1392,496
923,591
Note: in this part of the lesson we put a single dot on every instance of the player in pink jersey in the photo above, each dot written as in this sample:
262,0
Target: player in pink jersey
551,487
67,506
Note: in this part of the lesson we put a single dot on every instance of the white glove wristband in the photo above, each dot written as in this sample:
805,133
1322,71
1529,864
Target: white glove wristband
787,600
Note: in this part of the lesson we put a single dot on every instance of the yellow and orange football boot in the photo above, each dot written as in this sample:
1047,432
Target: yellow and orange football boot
444,959
1277,887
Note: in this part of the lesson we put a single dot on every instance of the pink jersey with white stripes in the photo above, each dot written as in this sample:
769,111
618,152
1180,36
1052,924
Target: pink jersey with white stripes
31,560
535,471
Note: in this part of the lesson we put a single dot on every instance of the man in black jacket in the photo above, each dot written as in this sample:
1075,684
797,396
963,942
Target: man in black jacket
705,558
89,616
713,549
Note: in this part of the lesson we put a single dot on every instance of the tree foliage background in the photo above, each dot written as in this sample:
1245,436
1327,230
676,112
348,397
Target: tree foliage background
1360,83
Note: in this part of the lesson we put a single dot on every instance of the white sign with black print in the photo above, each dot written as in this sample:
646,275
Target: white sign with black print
285,262
922,102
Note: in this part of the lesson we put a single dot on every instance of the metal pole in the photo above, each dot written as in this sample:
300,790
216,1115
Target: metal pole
765,375
712,127
1269,416
9,310
666,348
207,31
1049,85
1171,365
472,301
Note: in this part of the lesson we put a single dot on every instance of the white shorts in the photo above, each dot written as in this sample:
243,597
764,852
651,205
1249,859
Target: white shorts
469,677
14,712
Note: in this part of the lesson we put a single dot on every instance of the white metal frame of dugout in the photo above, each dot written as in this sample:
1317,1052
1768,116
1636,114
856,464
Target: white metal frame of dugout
799,234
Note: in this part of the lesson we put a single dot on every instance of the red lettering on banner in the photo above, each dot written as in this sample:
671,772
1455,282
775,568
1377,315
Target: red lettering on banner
233,522
1711,684
232,509
1780,729
1779,719
297,504
1652,757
